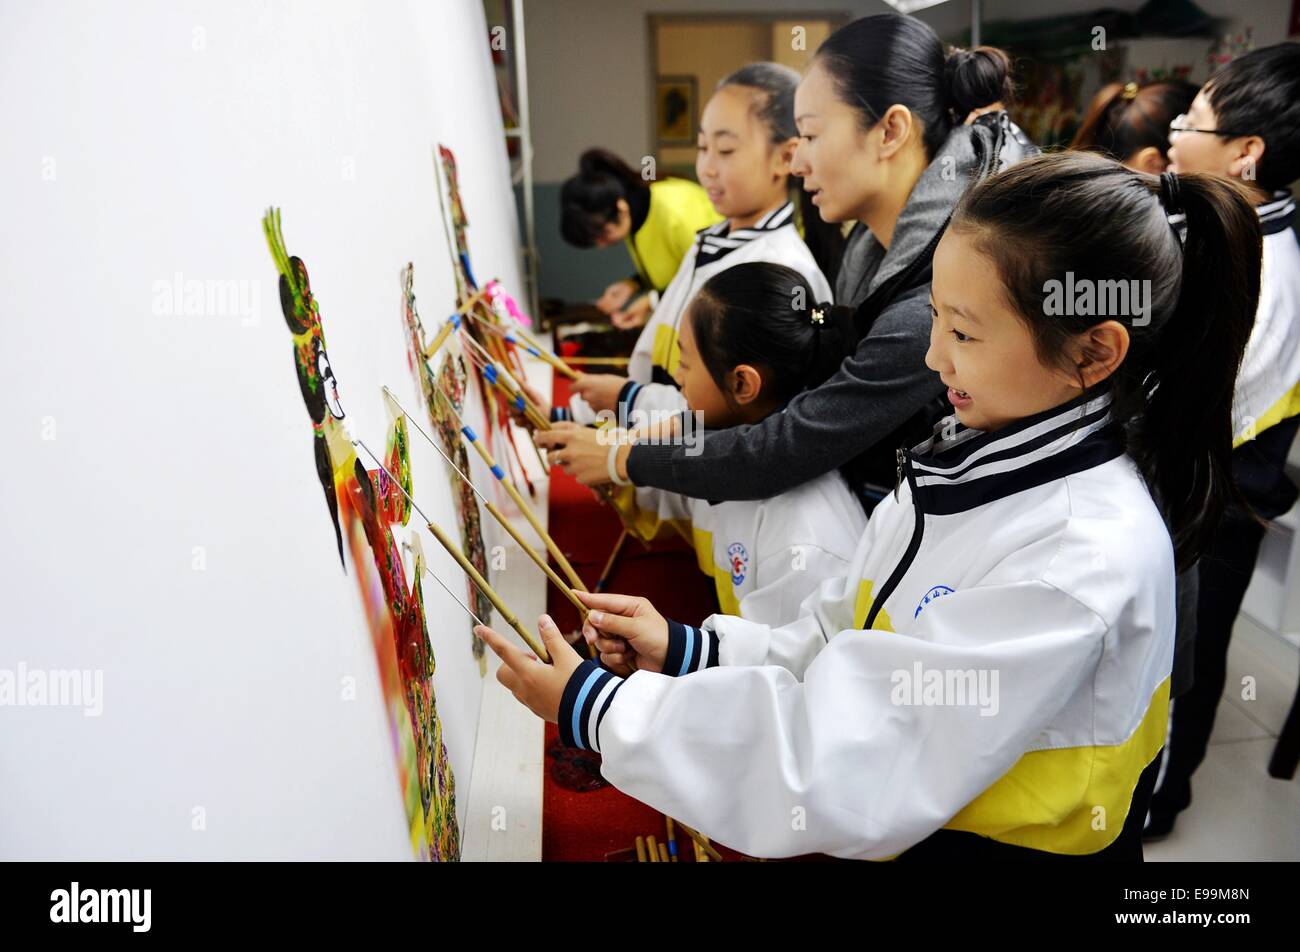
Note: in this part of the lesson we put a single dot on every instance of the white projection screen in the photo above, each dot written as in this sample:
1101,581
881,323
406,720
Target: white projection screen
166,532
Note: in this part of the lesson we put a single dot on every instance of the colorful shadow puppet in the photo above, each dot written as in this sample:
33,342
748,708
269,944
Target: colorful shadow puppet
454,216
456,223
364,506
450,379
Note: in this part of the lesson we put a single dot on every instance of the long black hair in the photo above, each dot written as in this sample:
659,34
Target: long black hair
765,315
589,200
887,59
1124,118
1082,213
774,86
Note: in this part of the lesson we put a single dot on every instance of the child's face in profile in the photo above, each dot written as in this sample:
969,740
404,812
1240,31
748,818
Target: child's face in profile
702,393
981,348
735,161
1201,151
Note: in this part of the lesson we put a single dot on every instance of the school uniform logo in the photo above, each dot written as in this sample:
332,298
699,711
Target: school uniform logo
739,560
937,592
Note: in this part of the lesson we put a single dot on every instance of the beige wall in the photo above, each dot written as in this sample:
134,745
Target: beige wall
709,50
589,66
589,60
784,49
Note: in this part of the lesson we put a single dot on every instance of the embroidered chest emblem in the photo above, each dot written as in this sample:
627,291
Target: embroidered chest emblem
738,558
937,592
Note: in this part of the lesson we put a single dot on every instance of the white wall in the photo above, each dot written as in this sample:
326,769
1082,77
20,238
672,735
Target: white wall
144,140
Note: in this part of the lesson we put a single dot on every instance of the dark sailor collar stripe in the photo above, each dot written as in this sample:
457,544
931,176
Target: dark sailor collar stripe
960,468
1277,213
716,241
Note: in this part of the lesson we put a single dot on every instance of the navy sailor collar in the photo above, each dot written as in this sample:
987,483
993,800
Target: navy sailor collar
717,241
959,468
1277,213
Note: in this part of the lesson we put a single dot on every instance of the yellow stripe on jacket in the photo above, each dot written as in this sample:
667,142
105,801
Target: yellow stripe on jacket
1285,408
728,604
1073,800
667,350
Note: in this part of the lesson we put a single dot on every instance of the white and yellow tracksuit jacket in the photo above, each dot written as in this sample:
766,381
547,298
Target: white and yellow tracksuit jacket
765,556
650,370
1268,385
996,662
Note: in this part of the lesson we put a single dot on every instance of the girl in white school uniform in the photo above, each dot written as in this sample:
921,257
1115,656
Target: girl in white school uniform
747,138
991,678
744,352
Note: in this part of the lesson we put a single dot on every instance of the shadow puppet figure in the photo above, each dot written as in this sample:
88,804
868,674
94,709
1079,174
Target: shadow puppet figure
364,506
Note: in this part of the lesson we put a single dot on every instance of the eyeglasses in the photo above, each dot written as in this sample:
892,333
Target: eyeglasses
1179,125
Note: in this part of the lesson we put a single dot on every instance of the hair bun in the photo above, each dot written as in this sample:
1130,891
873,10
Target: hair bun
976,78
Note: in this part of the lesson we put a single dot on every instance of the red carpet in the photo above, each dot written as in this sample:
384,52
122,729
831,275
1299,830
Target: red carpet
588,825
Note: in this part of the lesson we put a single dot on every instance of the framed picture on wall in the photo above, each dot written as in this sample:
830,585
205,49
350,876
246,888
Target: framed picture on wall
675,106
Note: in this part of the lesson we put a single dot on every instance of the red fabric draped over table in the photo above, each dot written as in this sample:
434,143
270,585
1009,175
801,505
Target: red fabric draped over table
587,825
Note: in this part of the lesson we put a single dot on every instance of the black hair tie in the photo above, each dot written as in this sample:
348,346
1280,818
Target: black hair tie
1170,193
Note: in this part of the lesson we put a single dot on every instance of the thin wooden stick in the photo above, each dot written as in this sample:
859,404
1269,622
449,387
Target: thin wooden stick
551,546
485,365
471,302
496,513
547,357
672,838
510,617
544,353
603,361
407,547
483,586
500,370
514,494
499,377
428,352
541,562
701,841
603,579
604,492
530,346
445,331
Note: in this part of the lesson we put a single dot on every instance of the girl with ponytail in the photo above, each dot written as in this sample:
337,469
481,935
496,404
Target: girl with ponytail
1082,222
753,337
745,141
1023,567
